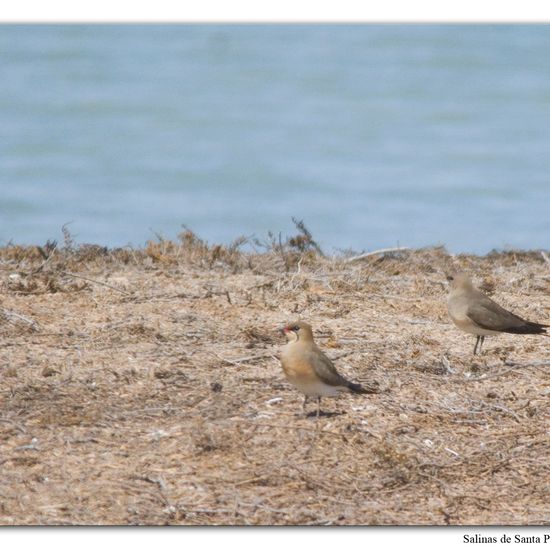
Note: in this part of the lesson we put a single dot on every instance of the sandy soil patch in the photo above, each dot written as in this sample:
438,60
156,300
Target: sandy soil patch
143,387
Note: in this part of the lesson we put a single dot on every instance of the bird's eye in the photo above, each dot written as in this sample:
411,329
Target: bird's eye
450,278
295,328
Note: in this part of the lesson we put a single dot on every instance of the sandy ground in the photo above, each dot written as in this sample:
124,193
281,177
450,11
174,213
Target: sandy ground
143,387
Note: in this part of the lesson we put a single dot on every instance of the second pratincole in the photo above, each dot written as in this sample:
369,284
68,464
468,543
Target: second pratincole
475,313
309,369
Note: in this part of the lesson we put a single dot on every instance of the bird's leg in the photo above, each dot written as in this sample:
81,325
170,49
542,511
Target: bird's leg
481,340
304,405
318,406
477,342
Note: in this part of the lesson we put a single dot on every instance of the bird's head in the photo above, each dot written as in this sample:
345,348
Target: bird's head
298,330
459,281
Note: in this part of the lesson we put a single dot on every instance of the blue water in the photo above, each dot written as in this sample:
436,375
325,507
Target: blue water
374,135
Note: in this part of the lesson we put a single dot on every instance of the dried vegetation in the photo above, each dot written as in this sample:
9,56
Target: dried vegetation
143,387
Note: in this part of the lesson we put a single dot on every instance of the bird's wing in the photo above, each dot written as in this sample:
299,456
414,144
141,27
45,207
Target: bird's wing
489,315
325,369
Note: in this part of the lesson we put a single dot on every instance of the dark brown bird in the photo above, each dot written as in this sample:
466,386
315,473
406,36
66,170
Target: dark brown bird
475,313
309,369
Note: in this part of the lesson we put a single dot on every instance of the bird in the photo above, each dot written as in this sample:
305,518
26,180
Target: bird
308,369
475,313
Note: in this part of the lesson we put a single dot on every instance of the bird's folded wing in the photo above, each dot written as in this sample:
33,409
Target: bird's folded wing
325,370
489,315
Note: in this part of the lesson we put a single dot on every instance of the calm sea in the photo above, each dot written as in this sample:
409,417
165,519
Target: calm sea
374,135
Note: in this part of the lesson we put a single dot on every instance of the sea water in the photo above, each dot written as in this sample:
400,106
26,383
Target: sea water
373,135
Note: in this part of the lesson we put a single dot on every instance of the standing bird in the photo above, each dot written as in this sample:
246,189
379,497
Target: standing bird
309,369
475,313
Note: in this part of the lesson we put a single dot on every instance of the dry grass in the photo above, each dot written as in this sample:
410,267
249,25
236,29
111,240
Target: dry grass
142,387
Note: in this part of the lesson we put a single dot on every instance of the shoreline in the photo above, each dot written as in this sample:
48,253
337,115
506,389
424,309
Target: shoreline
336,253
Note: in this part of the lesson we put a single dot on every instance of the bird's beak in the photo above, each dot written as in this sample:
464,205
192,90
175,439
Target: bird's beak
282,330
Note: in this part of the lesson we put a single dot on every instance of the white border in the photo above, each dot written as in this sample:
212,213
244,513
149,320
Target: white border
284,11
269,538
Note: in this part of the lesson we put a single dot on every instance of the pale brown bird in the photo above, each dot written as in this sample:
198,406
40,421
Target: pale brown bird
475,313
309,369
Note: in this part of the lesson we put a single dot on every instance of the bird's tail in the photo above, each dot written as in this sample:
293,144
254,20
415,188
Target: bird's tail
356,388
529,328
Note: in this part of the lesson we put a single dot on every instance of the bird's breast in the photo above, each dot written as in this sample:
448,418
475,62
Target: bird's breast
457,309
300,373
296,365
